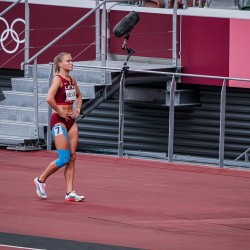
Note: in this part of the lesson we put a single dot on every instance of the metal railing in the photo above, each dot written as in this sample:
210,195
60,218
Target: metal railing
10,7
172,107
27,26
99,53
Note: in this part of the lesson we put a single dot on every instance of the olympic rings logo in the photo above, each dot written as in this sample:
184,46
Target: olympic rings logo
9,31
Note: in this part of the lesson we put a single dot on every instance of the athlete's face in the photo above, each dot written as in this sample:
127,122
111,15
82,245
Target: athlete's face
66,63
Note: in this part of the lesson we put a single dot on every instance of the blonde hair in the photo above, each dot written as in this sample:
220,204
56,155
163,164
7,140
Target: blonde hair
58,59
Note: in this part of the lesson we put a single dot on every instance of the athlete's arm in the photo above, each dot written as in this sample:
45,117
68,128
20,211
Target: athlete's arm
78,100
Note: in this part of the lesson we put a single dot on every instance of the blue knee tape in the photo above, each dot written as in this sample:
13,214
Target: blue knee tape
64,157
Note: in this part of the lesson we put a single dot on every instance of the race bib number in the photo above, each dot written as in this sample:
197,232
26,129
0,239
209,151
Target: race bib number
58,130
70,94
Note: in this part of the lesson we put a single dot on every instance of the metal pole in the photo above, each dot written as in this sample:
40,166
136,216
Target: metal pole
222,124
108,34
104,43
108,30
97,32
184,4
27,38
174,34
177,74
171,120
35,98
121,114
49,111
9,8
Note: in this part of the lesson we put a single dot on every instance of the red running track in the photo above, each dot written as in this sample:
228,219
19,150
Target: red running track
129,202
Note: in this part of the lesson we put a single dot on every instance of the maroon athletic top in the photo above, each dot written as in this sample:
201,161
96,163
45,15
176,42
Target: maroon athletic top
66,94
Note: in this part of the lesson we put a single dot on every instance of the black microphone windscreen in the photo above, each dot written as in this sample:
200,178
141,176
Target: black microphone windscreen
126,24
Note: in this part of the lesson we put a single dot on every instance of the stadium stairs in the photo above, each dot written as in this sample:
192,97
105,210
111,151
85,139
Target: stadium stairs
17,110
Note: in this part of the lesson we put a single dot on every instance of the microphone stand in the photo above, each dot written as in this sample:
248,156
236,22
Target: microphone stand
124,73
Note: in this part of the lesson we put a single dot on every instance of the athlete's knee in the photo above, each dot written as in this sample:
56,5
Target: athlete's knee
73,157
63,157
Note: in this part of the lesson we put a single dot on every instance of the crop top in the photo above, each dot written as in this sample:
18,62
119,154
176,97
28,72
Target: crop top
66,94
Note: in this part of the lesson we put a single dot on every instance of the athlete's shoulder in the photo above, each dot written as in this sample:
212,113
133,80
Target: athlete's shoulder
57,80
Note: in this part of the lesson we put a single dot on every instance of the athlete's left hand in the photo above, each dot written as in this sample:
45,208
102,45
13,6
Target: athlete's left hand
75,113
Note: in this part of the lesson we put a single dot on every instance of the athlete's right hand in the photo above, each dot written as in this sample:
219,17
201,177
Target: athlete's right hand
64,115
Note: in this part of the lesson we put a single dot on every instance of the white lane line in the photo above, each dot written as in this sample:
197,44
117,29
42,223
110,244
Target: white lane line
1,245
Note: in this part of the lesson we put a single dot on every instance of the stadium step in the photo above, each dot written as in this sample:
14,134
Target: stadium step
22,114
25,84
183,97
14,141
83,75
20,129
23,99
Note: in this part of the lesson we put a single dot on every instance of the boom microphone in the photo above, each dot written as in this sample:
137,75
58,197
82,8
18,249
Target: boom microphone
126,24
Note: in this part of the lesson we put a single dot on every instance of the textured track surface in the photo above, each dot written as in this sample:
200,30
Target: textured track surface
129,203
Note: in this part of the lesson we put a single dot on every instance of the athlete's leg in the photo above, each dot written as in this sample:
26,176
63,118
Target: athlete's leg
61,143
70,167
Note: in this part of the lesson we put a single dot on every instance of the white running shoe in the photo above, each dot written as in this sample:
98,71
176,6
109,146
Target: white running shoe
72,196
40,188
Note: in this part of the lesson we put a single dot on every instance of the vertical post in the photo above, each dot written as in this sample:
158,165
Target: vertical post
184,4
35,98
97,32
171,120
104,43
49,111
121,114
27,38
108,30
222,123
143,3
174,34
166,4
108,34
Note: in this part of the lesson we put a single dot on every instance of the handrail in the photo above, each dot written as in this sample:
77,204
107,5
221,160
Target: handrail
62,35
166,73
243,154
10,7
171,107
